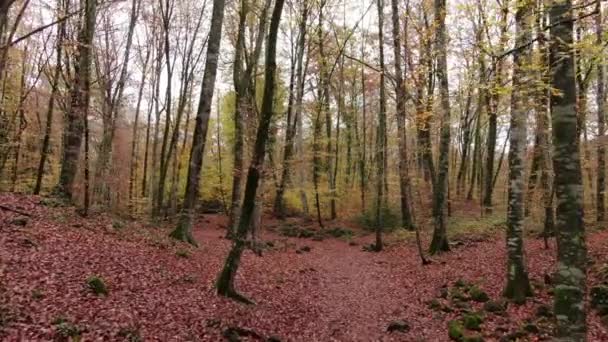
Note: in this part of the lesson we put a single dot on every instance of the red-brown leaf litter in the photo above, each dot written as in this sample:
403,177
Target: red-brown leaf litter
163,291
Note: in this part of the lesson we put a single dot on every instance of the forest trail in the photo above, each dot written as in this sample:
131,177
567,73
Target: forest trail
159,290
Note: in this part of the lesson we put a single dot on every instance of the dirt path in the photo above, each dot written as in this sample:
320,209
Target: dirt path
162,291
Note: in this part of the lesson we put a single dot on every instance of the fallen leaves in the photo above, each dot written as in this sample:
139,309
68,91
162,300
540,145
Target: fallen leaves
160,290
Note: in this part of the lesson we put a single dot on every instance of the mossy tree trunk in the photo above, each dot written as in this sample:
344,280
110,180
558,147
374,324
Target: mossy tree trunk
183,231
440,238
518,283
225,282
571,275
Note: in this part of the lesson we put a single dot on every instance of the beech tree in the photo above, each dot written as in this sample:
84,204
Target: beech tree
79,104
440,239
183,231
571,275
518,284
225,282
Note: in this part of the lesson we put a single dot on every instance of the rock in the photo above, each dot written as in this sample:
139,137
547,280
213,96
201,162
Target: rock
353,243
478,295
461,305
599,298
434,304
472,321
495,306
531,328
400,326
458,295
305,249
544,310
455,330
19,221
461,283
514,336
97,285
273,339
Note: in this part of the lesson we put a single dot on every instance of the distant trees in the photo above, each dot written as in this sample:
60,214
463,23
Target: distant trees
112,82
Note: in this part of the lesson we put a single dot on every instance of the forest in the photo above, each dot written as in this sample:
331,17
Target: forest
303,170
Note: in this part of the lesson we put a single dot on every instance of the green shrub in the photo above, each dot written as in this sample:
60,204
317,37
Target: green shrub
118,224
478,294
472,321
455,330
65,329
340,232
391,220
293,231
97,285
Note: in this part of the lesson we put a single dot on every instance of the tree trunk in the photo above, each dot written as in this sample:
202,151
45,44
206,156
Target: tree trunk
225,282
440,238
133,166
518,283
404,179
601,102
571,276
381,132
79,103
296,77
244,101
493,112
46,142
183,231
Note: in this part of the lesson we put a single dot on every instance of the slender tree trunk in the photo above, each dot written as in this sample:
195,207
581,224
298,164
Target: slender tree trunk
381,131
544,94
571,273
79,103
518,283
440,238
225,282
133,166
183,231
244,81
404,179
46,142
493,113
601,102
296,77
363,145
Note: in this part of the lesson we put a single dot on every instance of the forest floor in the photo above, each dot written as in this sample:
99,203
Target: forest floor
305,289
